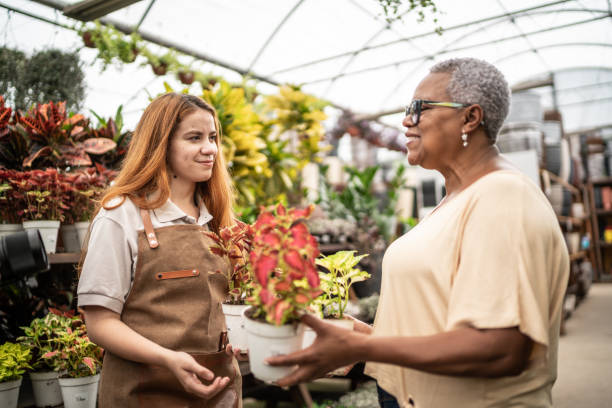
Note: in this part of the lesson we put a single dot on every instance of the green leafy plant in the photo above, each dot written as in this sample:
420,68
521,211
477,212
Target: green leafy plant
112,45
282,259
74,354
44,192
341,274
40,337
234,243
51,75
14,360
391,9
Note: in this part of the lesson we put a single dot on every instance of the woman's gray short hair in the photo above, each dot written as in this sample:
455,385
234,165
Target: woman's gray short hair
475,81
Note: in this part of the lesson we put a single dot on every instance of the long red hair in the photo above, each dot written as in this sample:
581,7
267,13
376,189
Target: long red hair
144,169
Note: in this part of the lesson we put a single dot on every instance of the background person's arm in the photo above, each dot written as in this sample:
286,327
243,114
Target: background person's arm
105,328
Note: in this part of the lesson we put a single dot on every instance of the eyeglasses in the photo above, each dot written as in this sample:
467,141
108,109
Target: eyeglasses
416,106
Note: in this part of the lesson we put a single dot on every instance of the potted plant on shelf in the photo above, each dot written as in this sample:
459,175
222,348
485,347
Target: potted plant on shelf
44,193
234,243
78,362
14,360
285,282
39,338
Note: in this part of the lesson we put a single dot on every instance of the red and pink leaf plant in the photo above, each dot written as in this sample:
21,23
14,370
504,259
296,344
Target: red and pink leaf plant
282,259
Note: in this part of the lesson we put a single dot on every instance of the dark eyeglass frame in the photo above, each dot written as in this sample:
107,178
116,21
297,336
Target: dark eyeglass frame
415,107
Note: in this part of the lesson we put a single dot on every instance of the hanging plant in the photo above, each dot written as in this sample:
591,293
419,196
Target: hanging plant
186,77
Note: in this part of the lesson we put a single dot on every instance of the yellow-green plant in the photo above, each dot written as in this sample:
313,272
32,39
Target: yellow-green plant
336,283
241,127
14,360
300,115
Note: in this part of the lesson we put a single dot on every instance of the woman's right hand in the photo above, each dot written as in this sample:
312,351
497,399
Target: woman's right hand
189,373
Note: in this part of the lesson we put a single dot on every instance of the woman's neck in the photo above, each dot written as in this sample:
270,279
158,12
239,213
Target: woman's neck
182,195
472,166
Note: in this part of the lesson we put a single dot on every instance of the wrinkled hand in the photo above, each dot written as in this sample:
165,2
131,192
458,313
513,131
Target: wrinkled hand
236,352
333,348
189,373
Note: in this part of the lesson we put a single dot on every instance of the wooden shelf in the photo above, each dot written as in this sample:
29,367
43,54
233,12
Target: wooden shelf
578,255
335,247
574,222
64,258
603,212
605,180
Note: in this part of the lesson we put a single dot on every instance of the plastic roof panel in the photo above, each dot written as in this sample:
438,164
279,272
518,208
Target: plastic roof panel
526,45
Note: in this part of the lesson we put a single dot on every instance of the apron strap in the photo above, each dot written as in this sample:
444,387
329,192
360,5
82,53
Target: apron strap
148,227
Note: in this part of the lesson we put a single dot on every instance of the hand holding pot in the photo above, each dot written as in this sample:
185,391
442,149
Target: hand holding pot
190,373
333,347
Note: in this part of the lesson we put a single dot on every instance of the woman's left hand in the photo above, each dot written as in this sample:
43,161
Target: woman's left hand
236,352
334,347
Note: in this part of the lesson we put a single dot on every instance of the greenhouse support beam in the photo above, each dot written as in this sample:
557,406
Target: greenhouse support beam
458,26
450,50
34,16
271,37
124,28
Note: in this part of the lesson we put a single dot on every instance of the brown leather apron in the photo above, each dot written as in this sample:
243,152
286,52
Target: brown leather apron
175,301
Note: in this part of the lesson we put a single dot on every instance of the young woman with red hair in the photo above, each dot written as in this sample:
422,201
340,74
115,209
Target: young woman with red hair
150,289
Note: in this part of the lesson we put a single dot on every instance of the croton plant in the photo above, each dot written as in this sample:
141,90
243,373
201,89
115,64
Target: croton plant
235,243
282,259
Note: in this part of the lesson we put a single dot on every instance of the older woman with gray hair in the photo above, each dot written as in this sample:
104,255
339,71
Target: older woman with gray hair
471,298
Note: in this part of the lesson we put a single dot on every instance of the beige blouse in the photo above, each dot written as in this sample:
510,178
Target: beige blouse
492,257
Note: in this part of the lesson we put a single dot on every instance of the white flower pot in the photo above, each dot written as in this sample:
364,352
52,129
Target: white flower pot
9,393
234,321
46,389
48,231
310,335
266,340
8,229
70,238
82,228
80,392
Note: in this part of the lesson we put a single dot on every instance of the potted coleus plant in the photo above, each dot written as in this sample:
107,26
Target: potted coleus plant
79,365
234,243
39,336
45,196
335,284
14,360
285,282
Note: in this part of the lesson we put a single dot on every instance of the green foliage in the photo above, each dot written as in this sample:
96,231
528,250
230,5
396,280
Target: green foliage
12,65
51,75
358,203
39,337
391,9
14,360
74,354
112,45
337,281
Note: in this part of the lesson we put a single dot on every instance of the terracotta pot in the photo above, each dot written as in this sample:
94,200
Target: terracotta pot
87,40
160,69
186,77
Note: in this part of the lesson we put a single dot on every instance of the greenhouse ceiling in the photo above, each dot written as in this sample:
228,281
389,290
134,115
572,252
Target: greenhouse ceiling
343,50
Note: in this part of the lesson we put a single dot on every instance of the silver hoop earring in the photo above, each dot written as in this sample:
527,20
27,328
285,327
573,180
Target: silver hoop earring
464,137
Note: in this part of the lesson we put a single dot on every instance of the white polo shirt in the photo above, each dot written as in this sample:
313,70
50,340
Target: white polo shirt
108,269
